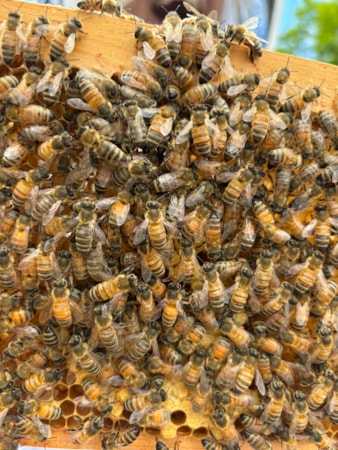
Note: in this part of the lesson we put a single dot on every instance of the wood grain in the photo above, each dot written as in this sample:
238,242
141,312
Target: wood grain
108,45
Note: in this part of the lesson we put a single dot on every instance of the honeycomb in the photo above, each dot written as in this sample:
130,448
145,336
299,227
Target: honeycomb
168,246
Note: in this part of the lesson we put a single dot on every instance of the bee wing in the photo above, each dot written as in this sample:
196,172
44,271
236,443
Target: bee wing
105,203
306,112
207,39
251,23
236,114
78,103
233,91
249,114
141,232
51,212
99,234
277,120
122,217
308,229
28,259
70,43
149,52
176,208
137,416
3,415
259,382
44,82
229,291
145,271
167,126
46,312
43,428
54,86
173,34
184,134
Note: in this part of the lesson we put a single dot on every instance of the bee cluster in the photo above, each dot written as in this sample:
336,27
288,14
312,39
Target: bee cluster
168,246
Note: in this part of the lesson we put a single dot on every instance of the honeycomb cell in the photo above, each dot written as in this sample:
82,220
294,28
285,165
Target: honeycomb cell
61,392
178,417
67,407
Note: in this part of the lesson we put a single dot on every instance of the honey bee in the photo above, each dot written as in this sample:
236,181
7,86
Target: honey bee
302,130
200,399
329,124
31,407
242,35
188,344
106,332
223,429
321,390
214,61
64,39
155,226
32,428
172,28
199,94
96,395
264,276
118,439
55,145
237,295
216,289
19,239
95,90
7,83
143,82
256,441
29,115
237,334
301,102
132,374
192,371
152,261
8,276
210,444
161,126
186,53
320,228
137,130
150,417
278,301
35,31
194,223
148,310
91,427
153,46
188,268
172,305
131,172
137,402
12,38
111,288
236,186
320,438
266,220
171,181
24,92
327,175
275,91
82,357
52,81
273,409
238,84
308,272
64,310
41,380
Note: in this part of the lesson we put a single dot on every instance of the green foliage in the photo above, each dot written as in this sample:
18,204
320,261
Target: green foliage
316,33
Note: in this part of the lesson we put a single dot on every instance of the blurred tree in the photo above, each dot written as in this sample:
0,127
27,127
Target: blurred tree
316,34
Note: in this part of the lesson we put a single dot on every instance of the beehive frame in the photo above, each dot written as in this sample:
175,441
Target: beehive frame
117,57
